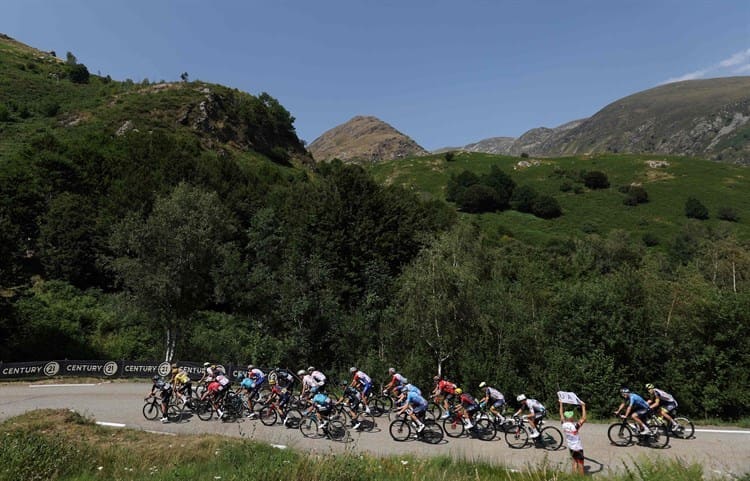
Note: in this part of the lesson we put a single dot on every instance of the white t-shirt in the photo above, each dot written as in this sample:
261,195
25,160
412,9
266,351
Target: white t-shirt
572,437
309,381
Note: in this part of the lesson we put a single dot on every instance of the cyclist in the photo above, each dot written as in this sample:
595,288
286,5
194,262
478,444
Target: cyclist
353,398
444,390
396,380
181,381
494,398
665,401
308,384
415,405
323,406
402,391
282,394
165,393
208,373
637,406
253,382
537,411
284,378
363,383
571,427
319,377
468,405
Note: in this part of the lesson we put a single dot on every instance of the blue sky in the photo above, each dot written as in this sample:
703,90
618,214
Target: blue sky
443,72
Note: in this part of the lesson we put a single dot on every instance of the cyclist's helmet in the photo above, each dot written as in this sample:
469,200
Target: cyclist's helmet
301,372
458,391
352,369
649,386
436,378
310,369
250,366
521,398
206,364
482,385
624,391
156,377
391,370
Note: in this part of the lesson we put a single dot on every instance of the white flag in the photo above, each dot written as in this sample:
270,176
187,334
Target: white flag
568,397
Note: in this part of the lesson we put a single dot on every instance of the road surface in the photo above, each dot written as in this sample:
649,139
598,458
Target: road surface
723,451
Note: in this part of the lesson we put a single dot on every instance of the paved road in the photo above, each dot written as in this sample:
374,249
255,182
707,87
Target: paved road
723,451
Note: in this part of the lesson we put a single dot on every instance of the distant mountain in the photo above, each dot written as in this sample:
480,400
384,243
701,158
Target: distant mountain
709,118
364,139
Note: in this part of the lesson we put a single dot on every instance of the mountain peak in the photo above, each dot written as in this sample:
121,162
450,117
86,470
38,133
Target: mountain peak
364,138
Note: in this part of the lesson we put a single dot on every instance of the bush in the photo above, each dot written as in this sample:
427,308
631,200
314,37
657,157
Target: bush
595,180
450,156
523,199
524,155
4,113
50,109
728,214
458,184
479,198
546,207
79,74
566,186
578,189
694,209
635,195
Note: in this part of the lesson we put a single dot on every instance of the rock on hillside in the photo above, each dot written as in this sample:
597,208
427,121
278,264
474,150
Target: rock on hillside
364,139
493,145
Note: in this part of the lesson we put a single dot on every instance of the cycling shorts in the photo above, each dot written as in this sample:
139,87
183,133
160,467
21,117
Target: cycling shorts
642,412
213,387
472,408
669,407
419,408
366,389
498,404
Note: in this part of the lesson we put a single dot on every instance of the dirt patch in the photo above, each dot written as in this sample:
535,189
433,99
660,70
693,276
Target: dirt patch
658,175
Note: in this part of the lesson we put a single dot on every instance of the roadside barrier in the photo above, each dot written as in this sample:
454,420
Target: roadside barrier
104,369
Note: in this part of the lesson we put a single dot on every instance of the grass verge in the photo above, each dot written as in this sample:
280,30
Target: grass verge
63,445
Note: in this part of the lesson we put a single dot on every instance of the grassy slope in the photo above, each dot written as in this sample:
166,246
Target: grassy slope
716,185
27,83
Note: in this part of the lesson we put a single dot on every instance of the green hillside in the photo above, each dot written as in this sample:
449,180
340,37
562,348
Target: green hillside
591,211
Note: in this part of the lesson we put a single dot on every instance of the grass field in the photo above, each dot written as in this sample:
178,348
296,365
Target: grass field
716,185
63,445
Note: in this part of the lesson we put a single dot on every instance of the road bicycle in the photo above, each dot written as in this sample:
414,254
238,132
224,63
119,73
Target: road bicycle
520,435
499,421
455,425
272,411
152,409
332,427
403,428
624,431
684,430
356,416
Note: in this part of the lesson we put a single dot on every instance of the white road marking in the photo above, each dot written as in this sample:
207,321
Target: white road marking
159,432
113,425
722,431
61,385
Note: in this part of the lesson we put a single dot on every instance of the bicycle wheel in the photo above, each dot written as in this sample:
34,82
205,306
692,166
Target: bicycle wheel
292,418
685,429
308,425
550,438
336,429
484,429
204,410
435,411
268,415
381,405
174,413
400,430
454,428
151,410
620,434
432,432
516,437
659,437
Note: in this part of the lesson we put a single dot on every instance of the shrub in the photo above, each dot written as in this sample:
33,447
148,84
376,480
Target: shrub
479,198
50,108
501,183
79,74
635,195
694,209
524,155
595,180
457,184
728,214
4,113
24,112
578,189
546,207
523,199
566,186
450,156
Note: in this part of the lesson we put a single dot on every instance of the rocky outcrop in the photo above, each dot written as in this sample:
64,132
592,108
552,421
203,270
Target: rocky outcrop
364,139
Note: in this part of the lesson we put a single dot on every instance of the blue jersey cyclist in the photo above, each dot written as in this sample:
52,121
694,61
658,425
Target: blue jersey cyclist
415,405
363,382
323,406
254,380
637,408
